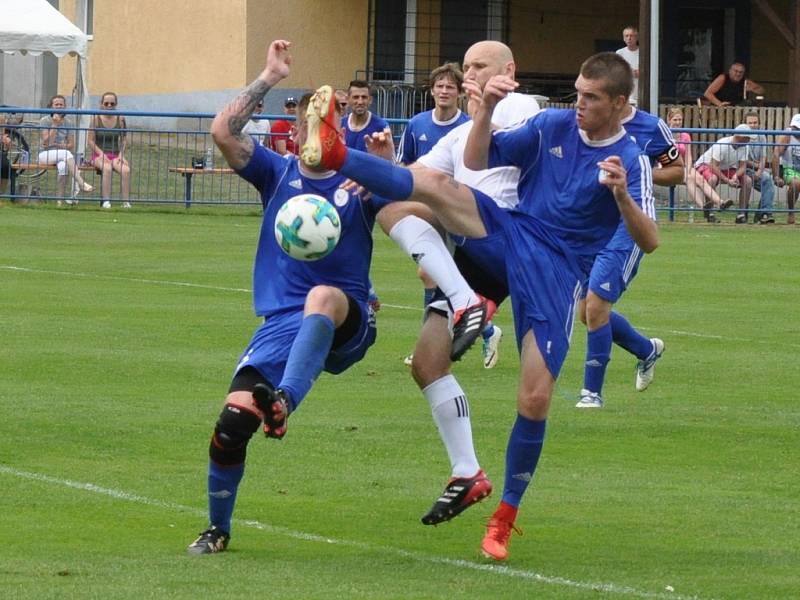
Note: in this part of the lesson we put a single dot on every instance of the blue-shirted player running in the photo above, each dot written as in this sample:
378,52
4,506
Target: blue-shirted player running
614,269
316,314
580,174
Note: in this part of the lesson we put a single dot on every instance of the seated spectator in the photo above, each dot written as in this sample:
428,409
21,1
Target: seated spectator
258,128
786,165
107,141
11,139
726,162
58,142
283,130
759,170
6,172
698,189
731,88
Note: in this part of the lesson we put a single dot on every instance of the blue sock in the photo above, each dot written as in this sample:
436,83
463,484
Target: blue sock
630,339
378,175
307,357
223,483
488,331
522,454
598,353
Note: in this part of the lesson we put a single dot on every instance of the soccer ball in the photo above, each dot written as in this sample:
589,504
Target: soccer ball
307,227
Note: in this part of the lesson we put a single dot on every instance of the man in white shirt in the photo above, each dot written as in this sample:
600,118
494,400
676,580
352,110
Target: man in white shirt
726,162
258,128
630,35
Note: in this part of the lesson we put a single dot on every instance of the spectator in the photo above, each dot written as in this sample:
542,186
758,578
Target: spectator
341,101
283,130
760,171
11,139
6,172
361,122
703,195
726,162
630,35
258,128
731,88
786,165
58,142
107,141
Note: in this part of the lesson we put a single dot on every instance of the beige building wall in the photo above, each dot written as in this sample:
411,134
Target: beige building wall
553,36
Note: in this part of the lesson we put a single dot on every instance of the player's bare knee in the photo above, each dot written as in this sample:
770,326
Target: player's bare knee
232,432
329,301
534,403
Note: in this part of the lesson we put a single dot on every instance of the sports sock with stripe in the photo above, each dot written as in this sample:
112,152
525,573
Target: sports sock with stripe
522,455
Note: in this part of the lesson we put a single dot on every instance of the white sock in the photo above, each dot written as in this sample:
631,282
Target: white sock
424,244
451,414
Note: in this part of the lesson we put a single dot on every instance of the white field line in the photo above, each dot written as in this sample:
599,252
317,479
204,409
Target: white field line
383,304
499,570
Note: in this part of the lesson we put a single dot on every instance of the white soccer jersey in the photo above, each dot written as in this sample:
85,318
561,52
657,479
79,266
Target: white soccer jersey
500,183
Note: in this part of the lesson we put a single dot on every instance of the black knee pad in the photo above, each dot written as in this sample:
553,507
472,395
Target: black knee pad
234,428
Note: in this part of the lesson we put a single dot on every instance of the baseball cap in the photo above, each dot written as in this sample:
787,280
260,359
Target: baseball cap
290,100
795,121
745,127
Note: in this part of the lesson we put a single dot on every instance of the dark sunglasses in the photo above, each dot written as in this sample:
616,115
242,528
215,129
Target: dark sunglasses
109,103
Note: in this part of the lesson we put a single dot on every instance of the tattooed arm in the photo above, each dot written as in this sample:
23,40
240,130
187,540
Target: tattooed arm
226,129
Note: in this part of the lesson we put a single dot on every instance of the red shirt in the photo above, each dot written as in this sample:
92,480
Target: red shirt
281,130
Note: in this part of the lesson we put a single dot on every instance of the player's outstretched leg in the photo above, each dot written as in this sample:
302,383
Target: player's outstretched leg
323,146
458,496
646,369
275,406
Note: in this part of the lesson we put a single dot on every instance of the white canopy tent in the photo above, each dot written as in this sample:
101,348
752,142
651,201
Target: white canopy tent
34,27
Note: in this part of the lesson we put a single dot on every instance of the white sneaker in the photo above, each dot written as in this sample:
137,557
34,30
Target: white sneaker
646,369
490,348
126,205
106,204
408,360
589,400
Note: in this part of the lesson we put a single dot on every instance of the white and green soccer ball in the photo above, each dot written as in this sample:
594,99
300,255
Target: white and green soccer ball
307,227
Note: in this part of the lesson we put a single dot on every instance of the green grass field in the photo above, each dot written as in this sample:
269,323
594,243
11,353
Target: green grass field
119,334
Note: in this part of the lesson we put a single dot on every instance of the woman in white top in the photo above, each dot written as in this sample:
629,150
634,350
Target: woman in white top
58,142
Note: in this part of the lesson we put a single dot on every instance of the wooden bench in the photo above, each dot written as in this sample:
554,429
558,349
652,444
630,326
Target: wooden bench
188,172
29,166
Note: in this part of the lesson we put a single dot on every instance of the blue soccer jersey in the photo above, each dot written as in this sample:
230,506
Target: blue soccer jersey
559,183
281,283
355,139
422,133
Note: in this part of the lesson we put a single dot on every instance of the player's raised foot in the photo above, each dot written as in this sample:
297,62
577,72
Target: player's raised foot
646,369
458,496
275,406
323,147
589,400
468,324
498,535
211,541
491,348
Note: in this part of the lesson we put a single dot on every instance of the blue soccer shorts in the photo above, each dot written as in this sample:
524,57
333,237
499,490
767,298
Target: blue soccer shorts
613,271
544,285
269,347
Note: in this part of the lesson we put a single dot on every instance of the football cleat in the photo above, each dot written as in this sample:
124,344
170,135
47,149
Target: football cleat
323,147
491,348
275,406
211,541
458,496
589,400
409,360
646,369
468,324
498,535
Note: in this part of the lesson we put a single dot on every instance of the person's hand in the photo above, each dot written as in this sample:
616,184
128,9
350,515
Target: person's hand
279,59
348,185
778,181
497,88
721,104
733,181
614,176
380,144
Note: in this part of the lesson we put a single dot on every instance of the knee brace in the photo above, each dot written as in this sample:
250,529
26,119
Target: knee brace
234,428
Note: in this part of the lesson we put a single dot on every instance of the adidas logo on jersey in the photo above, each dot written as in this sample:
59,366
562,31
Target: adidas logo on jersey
605,286
557,152
417,257
296,184
423,138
